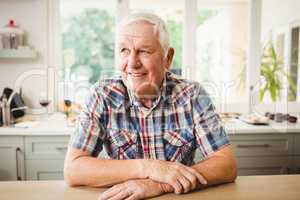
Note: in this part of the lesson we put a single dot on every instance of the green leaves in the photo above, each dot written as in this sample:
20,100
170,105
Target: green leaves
272,73
89,36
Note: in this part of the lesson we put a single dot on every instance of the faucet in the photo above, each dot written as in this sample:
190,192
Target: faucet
6,121
7,116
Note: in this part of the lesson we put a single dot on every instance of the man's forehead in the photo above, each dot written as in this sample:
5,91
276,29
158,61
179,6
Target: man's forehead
137,34
140,41
137,29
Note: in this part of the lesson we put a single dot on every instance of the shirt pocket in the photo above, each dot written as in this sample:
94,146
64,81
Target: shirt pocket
179,145
123,144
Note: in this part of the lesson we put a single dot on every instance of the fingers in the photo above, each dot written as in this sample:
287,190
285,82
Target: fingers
182,178
181,184
121,195
110,192
115,193
176,185
133,197
185,183
187,178
192,179
166,187
201,179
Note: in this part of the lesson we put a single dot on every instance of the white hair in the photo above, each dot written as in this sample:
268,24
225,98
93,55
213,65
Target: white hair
159,27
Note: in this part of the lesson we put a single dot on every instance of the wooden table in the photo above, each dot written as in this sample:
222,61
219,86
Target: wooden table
281,187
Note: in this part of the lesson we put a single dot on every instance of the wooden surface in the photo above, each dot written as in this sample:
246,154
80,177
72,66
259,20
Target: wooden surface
285,187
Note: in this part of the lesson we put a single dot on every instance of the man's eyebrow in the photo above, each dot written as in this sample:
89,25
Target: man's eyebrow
147,46
121,44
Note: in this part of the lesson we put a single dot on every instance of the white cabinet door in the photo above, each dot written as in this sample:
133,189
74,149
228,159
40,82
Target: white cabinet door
297,154
263,154
297,164
266,165
45,157
297,144
44,169
11,158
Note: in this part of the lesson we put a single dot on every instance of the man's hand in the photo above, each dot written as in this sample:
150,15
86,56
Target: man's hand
182,178
135,189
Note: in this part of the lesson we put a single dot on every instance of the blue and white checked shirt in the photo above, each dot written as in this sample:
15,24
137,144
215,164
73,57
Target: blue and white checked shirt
181,120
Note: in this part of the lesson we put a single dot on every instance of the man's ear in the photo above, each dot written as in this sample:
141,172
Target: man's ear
169,57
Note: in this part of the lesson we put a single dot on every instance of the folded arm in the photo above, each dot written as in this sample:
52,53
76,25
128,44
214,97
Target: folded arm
218,168
82,169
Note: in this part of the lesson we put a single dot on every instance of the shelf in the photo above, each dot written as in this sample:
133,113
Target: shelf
18,53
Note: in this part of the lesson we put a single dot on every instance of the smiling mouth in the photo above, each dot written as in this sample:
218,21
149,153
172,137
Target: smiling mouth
136,74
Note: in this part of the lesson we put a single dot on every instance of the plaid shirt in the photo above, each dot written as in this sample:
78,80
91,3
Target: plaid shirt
181,120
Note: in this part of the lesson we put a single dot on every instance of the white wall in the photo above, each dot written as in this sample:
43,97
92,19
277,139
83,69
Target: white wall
31,15
277,13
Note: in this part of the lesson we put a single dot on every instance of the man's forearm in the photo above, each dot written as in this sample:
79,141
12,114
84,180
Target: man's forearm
218,169
101,172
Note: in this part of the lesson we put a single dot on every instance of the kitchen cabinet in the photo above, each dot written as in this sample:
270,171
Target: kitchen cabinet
32,157
296,166
297,144
41,157
259,154
44,157
44,169
11,158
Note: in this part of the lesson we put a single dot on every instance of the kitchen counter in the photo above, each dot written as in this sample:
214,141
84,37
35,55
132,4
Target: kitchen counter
57,125
236,126
245,188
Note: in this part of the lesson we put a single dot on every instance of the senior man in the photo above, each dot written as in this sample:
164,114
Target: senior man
150,122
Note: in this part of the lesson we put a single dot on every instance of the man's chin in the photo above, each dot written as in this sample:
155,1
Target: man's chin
146,91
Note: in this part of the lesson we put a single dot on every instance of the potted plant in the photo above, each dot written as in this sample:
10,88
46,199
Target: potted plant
271,71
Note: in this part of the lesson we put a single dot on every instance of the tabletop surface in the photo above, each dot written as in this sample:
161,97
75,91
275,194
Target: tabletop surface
285,187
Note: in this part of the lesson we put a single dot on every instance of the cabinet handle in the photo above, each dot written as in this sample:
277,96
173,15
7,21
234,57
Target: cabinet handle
61,148
18,149
253,146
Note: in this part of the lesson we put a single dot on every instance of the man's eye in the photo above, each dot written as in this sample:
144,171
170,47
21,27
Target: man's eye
144,51
124,51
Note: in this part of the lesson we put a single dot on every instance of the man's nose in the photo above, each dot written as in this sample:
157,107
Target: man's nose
133,60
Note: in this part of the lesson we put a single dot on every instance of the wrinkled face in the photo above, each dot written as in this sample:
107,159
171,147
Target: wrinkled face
140,59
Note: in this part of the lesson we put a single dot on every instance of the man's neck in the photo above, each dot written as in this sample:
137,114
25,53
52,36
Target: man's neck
148,103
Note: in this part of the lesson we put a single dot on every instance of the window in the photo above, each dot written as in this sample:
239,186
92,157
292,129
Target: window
294,65
210,40
87,44
286,45
221,50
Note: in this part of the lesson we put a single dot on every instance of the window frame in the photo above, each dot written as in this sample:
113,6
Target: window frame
292,25
54,57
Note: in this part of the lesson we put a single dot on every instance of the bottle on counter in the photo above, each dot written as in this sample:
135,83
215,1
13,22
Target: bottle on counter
11,36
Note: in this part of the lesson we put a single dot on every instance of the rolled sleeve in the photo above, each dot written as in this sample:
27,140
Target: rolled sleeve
208,129
89,131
